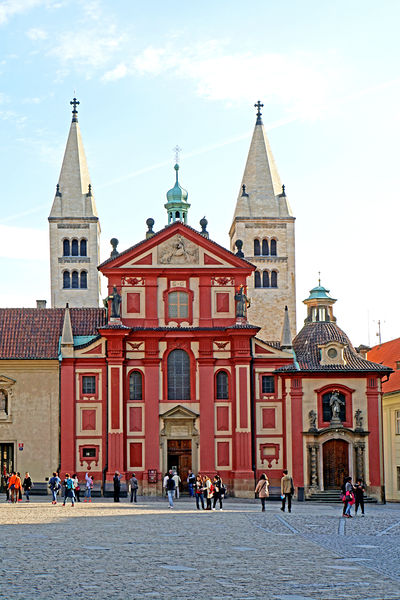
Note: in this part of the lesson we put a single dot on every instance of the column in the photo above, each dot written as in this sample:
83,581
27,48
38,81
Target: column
206,390
68,417
313,449
151,421
296,395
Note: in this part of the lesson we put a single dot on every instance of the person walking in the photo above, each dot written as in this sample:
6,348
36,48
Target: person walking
88,487
348,497
177,480
191,480
77,487
218,491
12,487
133,482
117,485
27,485
170,487
287,491
359,490
165,484
19,487
69,489
262,489
198,492
55,484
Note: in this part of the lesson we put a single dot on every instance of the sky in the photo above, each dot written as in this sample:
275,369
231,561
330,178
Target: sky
152,75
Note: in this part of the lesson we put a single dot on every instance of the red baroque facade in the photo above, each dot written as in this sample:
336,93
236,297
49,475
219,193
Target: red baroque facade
177,380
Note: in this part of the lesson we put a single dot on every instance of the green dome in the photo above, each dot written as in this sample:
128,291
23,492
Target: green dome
177,193
319,293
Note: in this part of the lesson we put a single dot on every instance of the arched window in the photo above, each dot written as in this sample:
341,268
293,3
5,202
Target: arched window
265,251
265,279
135,386
327,409
178,305
274,279
74,248
257,279
66,280
177,215
222,385
66,248
256,247
178,368
84,280
75,279
273,248
83,248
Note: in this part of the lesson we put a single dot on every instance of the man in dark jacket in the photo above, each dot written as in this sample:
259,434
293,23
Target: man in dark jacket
117,485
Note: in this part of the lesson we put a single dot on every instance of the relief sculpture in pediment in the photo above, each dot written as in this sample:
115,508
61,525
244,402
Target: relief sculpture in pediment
178,251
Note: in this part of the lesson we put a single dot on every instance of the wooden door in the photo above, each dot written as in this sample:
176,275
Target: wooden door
180,458
336,463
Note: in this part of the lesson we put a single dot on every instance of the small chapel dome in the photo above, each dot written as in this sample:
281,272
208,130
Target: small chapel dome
177,193
319,293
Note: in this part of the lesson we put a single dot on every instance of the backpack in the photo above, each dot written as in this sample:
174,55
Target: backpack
69,484
170,484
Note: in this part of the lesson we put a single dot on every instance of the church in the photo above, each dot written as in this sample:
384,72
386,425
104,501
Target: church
191,363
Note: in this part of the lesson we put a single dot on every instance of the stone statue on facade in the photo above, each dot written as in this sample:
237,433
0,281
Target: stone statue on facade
312,416
335,404
242,303
358,418
115,298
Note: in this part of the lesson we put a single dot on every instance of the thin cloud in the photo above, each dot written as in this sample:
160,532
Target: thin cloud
35,34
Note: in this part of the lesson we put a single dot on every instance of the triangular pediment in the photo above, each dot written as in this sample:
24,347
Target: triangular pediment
263,349
179,412
6,381
176,246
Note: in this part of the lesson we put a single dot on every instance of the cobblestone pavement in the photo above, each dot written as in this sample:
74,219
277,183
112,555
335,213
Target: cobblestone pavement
104,550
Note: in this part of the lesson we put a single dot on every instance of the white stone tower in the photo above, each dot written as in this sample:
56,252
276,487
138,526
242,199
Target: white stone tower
264,222
74,229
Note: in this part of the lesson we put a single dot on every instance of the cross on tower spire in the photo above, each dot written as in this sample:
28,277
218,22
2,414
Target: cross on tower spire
74,102
177,150
258,105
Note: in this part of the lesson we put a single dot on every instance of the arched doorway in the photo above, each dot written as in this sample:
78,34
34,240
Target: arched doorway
336,463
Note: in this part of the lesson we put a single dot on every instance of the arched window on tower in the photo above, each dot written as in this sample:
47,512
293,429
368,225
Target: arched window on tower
222,385
83,247
177,215
135,386
257,279
273,248
74,248
84,280
75,280
66,280
265,251
256,247
66,248
265,279
274,279
178,369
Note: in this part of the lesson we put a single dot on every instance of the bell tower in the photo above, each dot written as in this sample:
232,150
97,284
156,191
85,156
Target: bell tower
74,229
264,223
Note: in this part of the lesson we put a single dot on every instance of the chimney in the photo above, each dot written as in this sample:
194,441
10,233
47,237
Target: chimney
41,303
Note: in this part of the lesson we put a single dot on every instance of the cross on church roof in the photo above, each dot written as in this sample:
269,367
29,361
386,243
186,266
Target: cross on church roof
258,105
74,102
177,150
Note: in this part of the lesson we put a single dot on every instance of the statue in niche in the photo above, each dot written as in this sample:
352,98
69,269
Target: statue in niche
115,298
312,416
242,303
358,419
335,404
3,402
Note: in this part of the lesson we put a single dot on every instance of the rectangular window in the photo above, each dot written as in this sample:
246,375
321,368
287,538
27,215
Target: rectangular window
397,421
268,384
88,384
178,305
89,453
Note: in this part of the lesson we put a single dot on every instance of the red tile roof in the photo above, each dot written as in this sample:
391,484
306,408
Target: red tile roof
388,354
33,333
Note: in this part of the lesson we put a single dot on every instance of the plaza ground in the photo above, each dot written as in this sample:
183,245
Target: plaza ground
105,550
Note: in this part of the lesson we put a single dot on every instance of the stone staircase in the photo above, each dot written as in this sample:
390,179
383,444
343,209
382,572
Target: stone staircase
333,496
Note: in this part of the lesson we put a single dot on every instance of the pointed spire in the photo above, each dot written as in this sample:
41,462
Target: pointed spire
74,186
286,338
67,337
263,194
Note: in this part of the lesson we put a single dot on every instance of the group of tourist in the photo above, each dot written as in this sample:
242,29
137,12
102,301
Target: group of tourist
70,487
206,491
352,494
14,485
